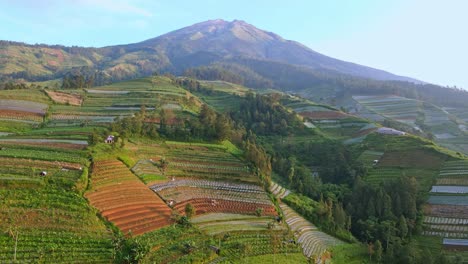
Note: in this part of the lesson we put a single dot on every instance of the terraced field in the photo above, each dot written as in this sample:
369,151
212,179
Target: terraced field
447,125
124,200
447,209
279,191
332,121
314,243
211,179
102,105
43,219
215,223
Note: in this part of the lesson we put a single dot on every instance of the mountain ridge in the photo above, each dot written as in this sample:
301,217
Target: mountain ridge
199,44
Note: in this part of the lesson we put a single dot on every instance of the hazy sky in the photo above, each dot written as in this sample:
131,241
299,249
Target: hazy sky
424,39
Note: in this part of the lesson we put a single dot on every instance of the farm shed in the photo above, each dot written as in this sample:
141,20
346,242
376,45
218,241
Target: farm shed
455,244
390,131
43,173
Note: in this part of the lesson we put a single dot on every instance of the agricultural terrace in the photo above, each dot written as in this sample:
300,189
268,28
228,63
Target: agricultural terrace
215,196
65,98
185,245
45,143
191,160
415,114
222,96
401,156
395,107
331,121
215,223
22,111
278,190
447,208
124,200
207,176
43,217
101,105
314,243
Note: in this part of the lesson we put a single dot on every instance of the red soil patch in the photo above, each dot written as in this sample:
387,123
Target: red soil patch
207,205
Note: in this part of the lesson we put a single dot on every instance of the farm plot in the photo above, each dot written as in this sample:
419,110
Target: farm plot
47,217
22,111
43,153
449,189
205,161
215,223
278,190
398,108
65,98
260,243
449,211
314,243
448,200
368,156
23,106
148,171
446,227
454,173
412,159
215,196
49,143
124,200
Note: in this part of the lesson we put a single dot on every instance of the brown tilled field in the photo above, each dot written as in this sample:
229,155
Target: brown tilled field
318,115
65,98
124,200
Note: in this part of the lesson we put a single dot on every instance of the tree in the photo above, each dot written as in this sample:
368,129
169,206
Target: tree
163,164
403,227
189,210
378,251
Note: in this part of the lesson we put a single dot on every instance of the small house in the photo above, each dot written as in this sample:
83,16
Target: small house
43,173
375,162
110,139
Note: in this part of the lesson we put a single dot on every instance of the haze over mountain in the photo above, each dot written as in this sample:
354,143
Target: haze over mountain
200,44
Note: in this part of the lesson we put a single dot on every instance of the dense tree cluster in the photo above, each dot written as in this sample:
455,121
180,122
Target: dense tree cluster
265,116
84,77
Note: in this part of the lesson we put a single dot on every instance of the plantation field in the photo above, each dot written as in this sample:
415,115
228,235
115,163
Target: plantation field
124,200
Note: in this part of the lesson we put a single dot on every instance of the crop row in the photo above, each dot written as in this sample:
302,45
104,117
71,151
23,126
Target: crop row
313,242
279,191
124,200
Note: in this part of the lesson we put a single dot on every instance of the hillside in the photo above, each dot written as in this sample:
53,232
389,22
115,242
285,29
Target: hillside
194,167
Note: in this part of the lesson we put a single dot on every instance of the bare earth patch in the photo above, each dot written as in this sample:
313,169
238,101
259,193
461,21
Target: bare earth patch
64,98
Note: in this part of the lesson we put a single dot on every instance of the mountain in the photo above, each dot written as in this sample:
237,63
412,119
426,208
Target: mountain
200,44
